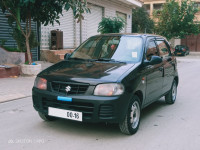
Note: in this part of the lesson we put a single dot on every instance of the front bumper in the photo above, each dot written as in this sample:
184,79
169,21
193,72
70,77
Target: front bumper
94,108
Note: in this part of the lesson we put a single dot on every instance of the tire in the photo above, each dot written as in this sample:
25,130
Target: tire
131,122
46,117
170,97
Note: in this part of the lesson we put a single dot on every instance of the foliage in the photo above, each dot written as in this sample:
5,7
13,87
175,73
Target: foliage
11,49
177,20
41,11
141,22
21,41
3,41
111,25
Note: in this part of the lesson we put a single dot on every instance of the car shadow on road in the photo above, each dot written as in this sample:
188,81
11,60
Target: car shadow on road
104,130
153,108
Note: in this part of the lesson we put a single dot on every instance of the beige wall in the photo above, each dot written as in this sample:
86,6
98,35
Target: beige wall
153,3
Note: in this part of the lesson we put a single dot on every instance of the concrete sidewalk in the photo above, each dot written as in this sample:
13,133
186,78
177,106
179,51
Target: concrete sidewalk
20,87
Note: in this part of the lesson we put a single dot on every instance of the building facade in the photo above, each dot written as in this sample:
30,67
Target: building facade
6,31
75,33
152,5
192,41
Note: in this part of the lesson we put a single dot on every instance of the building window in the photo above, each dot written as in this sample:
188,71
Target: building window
124,17
197,5
157,6
147,8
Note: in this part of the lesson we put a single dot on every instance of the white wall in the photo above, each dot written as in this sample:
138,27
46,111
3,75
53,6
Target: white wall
110,7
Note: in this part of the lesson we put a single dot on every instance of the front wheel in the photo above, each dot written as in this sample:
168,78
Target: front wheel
131,122
170,97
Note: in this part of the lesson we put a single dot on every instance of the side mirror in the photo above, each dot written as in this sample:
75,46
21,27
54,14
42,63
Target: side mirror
155,60
67,55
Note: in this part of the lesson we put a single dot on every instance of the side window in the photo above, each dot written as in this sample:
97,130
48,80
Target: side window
163,49
151,50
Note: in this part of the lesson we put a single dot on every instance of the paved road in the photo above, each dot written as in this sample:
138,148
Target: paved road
163,127
19,87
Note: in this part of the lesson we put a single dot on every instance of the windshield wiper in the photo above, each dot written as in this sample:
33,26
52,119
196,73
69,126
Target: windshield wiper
104,59
76,58
99,59
107,59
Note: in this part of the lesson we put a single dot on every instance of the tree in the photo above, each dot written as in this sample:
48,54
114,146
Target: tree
111,25
41,11
141,21
176,20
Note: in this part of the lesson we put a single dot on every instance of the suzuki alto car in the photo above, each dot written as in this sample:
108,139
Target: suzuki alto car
109,78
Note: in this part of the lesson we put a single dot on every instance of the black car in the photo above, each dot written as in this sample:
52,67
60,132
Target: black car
109,78
181,50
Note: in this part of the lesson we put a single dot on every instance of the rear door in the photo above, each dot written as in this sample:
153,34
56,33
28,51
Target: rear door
168,64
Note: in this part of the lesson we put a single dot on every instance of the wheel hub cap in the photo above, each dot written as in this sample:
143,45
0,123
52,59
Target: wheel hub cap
174,91
135,114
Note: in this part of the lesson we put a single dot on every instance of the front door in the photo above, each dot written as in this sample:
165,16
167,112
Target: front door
154,74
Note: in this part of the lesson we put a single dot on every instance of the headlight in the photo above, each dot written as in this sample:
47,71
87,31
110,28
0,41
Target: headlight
109,89
40,83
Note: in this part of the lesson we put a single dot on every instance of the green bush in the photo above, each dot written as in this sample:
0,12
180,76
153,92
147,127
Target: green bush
11,49
3,41
111,25
21,42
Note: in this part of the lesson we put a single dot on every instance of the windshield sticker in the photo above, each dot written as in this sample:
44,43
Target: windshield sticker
134,54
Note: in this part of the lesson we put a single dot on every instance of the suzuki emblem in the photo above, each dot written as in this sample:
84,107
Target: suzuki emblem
68,88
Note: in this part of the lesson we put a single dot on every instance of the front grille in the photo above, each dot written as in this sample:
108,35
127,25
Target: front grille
106,111
75,88
86,108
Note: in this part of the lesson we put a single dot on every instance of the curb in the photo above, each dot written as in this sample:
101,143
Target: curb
194,54
5,101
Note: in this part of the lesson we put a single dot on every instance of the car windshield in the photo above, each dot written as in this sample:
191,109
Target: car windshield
118,48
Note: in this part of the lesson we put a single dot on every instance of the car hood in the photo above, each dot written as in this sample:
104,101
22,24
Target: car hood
85,71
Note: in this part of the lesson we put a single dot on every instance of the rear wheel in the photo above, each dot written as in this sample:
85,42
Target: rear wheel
46,117
170,97
131,122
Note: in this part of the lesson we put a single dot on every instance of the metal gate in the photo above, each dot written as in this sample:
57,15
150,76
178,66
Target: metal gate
193,42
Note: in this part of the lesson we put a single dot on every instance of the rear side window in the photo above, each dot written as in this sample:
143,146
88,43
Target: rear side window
163,49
